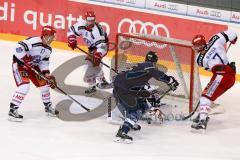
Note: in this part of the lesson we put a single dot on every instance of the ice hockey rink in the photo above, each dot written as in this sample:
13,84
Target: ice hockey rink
40,137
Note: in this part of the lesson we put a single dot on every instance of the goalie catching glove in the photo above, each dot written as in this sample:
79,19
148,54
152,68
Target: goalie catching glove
173,83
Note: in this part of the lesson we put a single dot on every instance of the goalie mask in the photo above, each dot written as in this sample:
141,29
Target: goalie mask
151,57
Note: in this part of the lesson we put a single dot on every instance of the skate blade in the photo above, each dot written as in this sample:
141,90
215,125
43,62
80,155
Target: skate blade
12,119
198,131
120,140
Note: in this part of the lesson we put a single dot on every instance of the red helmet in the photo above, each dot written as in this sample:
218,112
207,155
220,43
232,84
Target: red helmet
90,16
199,40
48,31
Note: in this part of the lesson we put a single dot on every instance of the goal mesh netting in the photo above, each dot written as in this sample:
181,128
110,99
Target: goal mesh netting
176,58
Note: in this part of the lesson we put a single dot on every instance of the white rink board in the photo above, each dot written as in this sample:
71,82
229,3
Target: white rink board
43,138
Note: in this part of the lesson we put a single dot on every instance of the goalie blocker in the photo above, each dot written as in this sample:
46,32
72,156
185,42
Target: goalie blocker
129,91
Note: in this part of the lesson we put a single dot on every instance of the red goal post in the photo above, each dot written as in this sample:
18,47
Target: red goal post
176,55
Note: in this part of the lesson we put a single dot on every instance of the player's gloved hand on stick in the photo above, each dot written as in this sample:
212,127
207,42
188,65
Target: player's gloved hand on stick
72,41
51,81
28,62
173,83
97,58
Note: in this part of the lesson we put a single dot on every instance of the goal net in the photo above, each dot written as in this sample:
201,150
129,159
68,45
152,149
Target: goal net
176,58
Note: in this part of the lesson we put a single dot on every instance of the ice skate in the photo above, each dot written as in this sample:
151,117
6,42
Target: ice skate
122,137
15,116
90,91
50,110
199,125
104,85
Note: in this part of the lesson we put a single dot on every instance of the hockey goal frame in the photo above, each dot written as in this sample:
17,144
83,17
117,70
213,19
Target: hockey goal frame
170,41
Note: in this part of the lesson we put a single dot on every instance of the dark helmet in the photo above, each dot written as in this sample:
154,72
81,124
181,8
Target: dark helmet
151,57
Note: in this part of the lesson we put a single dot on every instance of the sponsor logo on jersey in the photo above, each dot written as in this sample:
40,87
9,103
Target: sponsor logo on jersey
36,58
211,42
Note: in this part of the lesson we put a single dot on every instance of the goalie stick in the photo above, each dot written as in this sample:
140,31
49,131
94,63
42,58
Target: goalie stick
43,77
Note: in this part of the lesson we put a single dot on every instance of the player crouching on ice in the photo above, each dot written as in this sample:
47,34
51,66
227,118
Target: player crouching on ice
33,52
129,91
97,42
212,57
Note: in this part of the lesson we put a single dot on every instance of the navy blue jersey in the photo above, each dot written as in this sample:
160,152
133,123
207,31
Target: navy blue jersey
139,76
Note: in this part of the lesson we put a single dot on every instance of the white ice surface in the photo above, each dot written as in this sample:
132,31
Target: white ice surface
43,138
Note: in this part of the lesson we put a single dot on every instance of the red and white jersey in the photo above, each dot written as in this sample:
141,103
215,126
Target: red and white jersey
94,38
215,52
35,48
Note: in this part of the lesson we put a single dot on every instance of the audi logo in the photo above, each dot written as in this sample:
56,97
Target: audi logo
172,7
144,26
215,14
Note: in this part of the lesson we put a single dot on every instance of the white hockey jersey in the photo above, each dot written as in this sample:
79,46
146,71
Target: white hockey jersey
34,47
215,52
94,38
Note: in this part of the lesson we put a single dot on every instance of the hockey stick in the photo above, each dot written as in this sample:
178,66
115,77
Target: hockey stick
228,47
164,94
100,62
43,77
193,112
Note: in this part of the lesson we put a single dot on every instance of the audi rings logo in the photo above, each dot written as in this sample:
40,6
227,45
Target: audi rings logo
140,27
215,14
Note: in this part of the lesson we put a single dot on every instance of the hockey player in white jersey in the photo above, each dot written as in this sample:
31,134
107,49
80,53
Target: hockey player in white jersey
212,57
97,41
33,52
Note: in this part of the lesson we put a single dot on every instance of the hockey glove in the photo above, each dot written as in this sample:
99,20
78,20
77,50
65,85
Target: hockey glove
173,83
97,58
72,41
234,41
51,81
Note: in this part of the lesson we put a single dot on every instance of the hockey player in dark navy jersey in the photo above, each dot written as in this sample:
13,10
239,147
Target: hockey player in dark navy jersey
129,91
